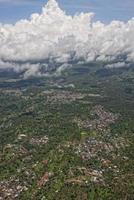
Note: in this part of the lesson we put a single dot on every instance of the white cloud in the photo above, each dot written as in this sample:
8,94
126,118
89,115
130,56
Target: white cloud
117,65
55,37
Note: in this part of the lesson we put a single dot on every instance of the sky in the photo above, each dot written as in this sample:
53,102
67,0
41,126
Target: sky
105,10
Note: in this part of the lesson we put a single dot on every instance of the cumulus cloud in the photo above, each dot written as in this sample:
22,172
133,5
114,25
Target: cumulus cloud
52,39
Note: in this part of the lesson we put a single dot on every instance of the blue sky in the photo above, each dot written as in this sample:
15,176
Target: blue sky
105,10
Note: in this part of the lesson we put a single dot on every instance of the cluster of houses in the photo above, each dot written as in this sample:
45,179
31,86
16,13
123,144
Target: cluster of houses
91,147
63,96
39,141
11,189
86,176
102,119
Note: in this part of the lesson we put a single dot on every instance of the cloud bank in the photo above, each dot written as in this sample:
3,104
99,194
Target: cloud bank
52,39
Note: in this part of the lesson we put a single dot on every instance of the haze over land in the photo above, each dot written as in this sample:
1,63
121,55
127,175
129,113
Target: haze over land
53,38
